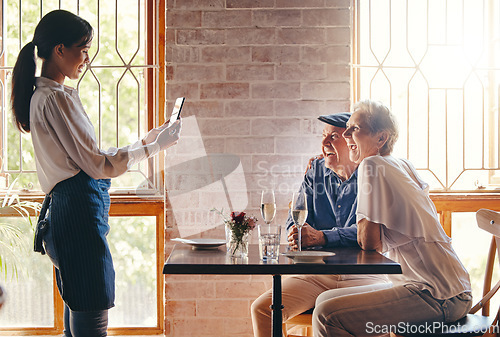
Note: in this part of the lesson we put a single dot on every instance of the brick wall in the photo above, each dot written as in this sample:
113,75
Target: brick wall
256,74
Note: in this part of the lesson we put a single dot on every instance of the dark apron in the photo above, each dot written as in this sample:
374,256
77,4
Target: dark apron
76,243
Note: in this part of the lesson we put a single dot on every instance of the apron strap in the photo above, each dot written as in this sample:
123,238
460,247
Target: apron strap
41,226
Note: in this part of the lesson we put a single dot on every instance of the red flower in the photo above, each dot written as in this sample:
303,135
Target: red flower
239,223
238,217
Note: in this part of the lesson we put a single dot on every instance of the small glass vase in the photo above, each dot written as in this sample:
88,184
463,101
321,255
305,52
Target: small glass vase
237,246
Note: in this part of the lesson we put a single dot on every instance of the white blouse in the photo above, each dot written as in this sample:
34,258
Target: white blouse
64,139
392,194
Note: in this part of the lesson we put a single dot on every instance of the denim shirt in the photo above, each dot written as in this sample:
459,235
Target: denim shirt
332,205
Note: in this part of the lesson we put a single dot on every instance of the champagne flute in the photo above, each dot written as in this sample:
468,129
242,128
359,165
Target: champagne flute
299,213
268,206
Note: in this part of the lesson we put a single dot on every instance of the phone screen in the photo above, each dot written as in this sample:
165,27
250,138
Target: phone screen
176,111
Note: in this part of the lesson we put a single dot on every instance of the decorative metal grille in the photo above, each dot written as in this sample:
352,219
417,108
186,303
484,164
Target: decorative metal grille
436,64
112,89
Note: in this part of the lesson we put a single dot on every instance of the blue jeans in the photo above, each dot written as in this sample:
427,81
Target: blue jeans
85,323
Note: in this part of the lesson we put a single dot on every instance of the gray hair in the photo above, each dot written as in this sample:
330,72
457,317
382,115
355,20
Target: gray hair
379,118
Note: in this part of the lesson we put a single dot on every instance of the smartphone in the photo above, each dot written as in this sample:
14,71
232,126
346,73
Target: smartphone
176,111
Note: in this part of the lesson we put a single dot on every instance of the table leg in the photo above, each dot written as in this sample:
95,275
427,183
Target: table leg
277,318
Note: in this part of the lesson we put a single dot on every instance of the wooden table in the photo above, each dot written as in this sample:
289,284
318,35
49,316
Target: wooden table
185,260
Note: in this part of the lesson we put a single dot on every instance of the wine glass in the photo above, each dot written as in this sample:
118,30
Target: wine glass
299,213
268,206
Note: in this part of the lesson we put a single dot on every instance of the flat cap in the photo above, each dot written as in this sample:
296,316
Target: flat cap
338,119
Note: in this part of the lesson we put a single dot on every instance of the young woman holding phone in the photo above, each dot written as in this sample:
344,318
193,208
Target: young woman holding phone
73,172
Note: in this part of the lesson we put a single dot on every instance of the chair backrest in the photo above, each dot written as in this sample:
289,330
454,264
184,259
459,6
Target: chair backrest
489,221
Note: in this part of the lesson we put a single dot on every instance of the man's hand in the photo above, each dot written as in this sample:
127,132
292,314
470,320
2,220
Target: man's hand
310,237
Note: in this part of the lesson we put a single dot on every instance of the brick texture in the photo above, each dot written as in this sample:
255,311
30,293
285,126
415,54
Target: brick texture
256,74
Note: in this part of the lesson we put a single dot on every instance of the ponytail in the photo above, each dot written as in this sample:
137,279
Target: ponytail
56,27
23,86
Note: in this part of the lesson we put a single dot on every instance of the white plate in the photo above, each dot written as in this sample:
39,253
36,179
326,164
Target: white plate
202,243
308,256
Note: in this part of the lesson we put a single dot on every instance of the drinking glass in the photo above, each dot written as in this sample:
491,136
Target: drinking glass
268,205
299,213
269,242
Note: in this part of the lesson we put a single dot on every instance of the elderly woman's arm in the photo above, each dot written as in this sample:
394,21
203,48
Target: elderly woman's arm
369,235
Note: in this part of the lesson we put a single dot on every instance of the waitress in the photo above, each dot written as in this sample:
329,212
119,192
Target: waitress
72,170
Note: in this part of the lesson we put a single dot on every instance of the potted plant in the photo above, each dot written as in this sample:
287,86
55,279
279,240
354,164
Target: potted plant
11,236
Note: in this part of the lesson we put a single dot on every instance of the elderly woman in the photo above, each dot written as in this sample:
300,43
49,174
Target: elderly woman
395,216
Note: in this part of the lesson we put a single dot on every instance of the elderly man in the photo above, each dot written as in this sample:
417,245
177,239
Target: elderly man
330,187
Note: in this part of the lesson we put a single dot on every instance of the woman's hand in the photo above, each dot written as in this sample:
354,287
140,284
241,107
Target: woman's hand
369,235
309,164
153,133
310,237
169,136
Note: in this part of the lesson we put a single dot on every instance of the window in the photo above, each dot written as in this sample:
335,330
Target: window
114,89
123,94
436,64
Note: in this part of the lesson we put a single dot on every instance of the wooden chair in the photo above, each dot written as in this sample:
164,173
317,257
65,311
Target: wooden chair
301,323
474,324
